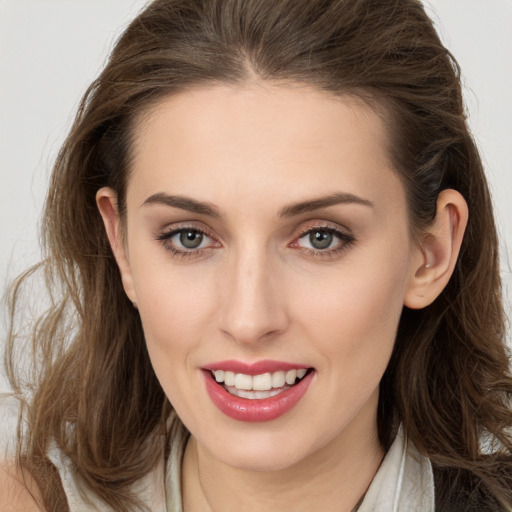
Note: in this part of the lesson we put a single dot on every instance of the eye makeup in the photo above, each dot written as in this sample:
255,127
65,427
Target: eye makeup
187,241
318,239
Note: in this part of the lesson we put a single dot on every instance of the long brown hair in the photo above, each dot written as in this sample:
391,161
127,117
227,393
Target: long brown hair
448,379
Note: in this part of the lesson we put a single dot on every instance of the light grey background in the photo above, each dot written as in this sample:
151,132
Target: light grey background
50,50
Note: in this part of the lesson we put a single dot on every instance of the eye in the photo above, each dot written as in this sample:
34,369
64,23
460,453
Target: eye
320,239
186,241
324,240
189,239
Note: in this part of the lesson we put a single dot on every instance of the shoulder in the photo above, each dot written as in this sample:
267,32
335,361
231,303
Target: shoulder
19,491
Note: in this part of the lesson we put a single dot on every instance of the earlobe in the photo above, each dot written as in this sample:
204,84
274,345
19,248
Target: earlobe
106,200
436,255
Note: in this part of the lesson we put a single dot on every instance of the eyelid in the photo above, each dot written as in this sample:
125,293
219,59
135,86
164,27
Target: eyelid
165,235
308,226
343,233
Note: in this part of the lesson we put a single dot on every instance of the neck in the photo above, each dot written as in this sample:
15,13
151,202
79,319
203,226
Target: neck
333,479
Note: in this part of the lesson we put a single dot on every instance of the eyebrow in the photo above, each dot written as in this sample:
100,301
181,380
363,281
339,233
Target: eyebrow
204,208
184,203
323,202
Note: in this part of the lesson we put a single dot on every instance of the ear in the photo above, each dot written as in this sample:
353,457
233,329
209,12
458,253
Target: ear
436,254
106,200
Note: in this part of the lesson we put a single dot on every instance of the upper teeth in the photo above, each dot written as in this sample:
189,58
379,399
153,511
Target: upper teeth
262,382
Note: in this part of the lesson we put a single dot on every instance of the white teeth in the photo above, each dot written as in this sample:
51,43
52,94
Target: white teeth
242,393
261,383
229,378
291,375
243,381
278,379
255,395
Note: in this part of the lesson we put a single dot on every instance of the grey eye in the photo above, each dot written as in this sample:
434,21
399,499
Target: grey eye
191,239
320,239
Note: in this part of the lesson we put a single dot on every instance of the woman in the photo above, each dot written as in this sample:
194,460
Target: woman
278,274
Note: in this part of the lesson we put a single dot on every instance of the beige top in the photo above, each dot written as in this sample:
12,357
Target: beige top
403,483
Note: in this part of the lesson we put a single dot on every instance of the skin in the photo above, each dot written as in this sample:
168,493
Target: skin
18,490
256,288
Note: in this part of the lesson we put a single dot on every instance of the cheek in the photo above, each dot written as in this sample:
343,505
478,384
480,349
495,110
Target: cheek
353,315
174,306
174,309
174,302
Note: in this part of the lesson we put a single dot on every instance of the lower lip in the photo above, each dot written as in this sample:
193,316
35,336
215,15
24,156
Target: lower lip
265,409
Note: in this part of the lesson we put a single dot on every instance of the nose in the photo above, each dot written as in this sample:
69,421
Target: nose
253,300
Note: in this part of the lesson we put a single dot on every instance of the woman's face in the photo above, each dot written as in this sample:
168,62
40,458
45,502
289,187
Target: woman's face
266,233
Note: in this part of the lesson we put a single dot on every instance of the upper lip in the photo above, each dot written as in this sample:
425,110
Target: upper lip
254,368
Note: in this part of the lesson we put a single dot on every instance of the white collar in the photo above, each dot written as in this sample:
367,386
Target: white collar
403,483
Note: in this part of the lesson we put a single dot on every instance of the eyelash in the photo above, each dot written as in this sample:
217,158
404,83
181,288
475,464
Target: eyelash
165,239
345,241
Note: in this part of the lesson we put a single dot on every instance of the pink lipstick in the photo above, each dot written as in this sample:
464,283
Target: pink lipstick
255,392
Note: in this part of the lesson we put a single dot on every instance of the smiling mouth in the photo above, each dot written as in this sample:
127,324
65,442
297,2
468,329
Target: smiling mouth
261,386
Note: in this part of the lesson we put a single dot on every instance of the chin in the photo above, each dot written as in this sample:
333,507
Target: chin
262,455
262,464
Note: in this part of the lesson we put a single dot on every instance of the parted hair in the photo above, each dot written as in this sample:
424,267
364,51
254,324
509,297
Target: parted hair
93,391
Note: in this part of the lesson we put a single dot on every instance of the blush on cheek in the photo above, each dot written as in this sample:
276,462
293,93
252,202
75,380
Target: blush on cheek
175,310
355,327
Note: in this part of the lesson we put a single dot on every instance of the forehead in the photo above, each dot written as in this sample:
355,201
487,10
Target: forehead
286,140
